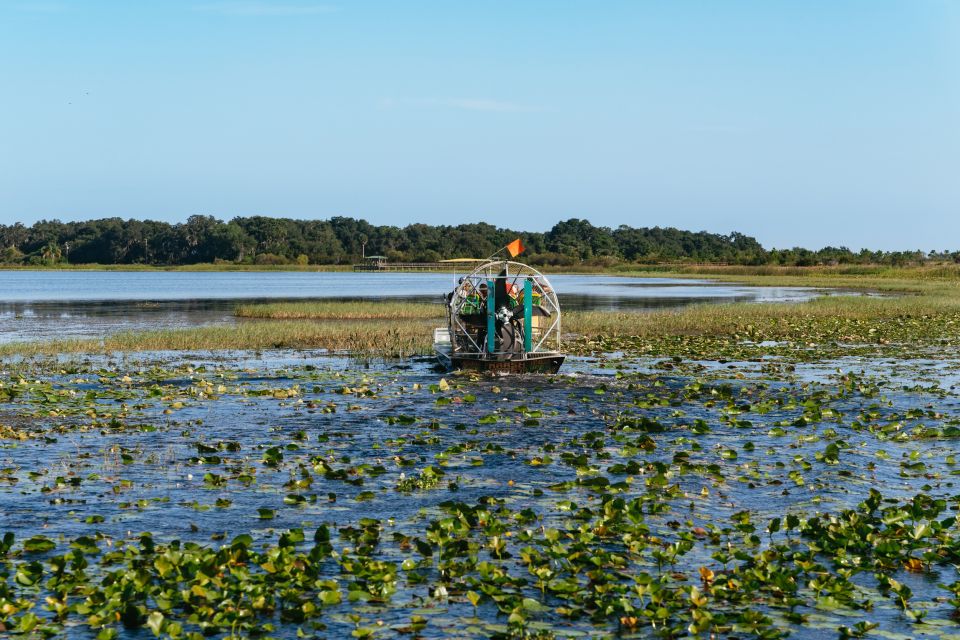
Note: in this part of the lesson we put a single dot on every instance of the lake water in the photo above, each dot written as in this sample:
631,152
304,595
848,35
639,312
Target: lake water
45,304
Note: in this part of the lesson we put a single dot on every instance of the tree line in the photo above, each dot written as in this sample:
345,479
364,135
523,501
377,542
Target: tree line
342,240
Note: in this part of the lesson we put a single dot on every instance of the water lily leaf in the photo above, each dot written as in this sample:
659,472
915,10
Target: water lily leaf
38,544
155,623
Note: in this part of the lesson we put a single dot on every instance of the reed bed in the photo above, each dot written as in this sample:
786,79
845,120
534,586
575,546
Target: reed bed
341,310
377,338
840,318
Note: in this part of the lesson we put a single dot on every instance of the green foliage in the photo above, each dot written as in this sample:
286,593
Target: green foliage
261,240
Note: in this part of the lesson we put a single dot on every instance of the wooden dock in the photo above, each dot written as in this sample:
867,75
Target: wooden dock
413,267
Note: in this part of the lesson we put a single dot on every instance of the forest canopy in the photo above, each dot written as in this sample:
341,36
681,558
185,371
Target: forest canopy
342,240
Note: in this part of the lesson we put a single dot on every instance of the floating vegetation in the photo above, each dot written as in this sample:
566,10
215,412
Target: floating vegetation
291,495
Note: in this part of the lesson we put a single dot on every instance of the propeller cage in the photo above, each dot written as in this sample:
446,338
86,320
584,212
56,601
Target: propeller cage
504,310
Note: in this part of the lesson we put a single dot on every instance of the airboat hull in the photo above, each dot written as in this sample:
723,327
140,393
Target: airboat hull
533,364
542,364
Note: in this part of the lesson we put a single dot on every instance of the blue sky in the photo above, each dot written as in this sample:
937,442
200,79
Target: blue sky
799,122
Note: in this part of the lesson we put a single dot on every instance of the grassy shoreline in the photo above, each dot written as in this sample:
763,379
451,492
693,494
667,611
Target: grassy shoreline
184,267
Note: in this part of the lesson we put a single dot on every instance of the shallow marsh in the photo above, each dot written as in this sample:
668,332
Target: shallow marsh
727,471
289,493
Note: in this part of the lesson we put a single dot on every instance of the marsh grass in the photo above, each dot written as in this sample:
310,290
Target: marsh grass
728,330
378,338
939,279
719,319
341,310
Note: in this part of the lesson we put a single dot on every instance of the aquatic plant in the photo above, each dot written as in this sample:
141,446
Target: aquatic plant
289,496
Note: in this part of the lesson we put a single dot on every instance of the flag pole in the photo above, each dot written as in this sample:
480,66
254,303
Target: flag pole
496,253
507,247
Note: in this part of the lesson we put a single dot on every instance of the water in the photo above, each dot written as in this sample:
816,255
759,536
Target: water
77,304
169,492
111,446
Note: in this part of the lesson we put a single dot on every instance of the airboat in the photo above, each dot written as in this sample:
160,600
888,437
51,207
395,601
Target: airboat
502,317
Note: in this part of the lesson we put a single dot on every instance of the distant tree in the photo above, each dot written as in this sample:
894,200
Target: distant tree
51,253
340,240
581,240
12,255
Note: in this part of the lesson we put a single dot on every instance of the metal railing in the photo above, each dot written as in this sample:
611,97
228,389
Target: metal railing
415,266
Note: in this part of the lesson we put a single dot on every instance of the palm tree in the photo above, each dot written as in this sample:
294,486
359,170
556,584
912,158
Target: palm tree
51,253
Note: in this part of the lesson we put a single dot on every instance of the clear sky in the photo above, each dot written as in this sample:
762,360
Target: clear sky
798,122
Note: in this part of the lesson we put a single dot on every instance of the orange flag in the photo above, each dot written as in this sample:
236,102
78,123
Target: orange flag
515,248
